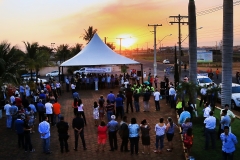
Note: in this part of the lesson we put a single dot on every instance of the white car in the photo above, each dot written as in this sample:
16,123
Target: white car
39,79
80,71
235,100
166,61
53,74
204,80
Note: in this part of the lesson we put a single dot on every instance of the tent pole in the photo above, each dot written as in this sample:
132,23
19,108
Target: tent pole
142,72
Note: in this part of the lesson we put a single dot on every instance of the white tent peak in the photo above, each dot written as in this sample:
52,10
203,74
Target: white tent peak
97,53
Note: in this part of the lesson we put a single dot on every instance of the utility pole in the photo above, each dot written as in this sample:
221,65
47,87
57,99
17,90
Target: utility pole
179,20
105,40
120,43
155,51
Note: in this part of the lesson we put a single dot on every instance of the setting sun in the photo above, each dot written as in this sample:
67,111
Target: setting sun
126,40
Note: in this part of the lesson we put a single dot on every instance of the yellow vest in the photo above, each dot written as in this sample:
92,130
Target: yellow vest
179,105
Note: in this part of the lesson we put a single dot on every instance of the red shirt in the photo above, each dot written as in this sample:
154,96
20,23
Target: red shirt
102,132
18,101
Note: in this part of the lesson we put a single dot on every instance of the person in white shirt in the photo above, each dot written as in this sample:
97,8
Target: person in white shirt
206,110
73,87
160,132
58,87
12,99
172,94
49,110
156,95
144,74
8,115
210,125
203,92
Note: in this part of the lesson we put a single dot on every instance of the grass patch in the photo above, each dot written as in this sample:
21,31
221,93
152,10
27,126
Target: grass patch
198,151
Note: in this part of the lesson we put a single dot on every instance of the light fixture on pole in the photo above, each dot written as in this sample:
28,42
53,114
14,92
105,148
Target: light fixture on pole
188,34
162,40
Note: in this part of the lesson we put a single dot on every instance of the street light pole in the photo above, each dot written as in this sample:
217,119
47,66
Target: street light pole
162,40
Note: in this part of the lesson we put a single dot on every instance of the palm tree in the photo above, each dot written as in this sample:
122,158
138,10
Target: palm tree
63,53
76,49
89,34
110,45
227,52
192,46
11,60
35,58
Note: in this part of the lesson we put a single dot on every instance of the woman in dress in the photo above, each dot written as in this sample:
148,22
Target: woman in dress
145,128
81,110
187,124
101,102
134,135
160,132
170,133
75,106
95,113
102,135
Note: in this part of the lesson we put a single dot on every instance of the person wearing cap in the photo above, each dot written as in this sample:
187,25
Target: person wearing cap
112,133
62,127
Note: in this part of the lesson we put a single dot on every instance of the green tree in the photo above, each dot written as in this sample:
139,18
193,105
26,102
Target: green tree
76,49
11,60
89,33
192,27
35,58
227,53
63,53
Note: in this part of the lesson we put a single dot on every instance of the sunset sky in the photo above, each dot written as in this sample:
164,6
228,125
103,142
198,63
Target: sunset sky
64,21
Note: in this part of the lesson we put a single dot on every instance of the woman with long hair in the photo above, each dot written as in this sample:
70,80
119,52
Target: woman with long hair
170,133
95,113
101,107
75,106
160,132
145,128
102,135
81,110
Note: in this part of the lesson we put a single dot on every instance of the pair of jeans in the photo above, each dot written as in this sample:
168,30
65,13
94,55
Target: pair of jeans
56,116
81,134
9,121
161,140
210,134
109,114
63,141
136,104
134,144
21,140
124,145
46,145
28,142
129,103
146,105
157,105
113,140
119,111
40,116
227,156
172,101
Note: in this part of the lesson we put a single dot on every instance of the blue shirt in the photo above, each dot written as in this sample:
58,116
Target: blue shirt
40,107
19,126
226,120
133,130
183,116
111,97
44,129
33,108
76,95
119,102
228,142
112,126
210,122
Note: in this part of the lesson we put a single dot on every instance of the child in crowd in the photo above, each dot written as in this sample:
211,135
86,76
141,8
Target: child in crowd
95,113
188,141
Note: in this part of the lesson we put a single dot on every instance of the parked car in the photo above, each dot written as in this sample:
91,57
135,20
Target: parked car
53,73
39,79
80,71
204,80
28,75
235,99
166,61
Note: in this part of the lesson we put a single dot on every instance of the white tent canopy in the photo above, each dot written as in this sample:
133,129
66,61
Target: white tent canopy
97,53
